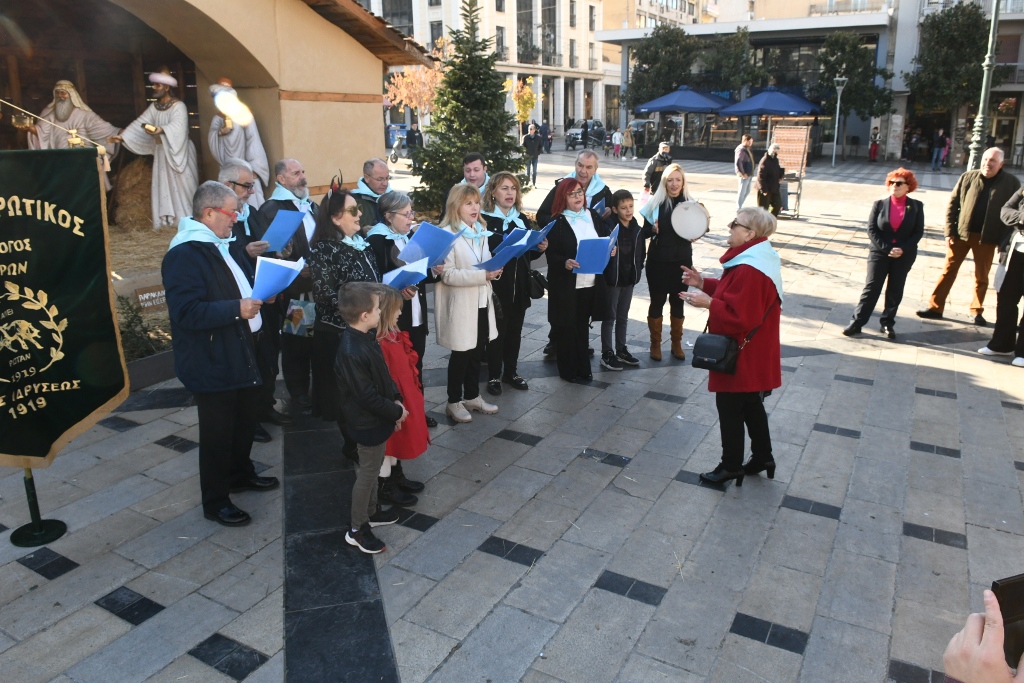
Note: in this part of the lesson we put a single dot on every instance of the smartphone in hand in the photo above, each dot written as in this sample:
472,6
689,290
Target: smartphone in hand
1010,594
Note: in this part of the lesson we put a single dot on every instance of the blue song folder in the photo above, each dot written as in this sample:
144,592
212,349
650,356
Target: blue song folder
593,254
408,275
282,228
274,275
431,242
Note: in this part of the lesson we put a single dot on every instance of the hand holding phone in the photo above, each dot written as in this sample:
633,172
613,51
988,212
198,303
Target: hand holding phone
976,654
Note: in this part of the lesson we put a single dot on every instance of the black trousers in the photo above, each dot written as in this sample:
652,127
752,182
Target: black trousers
665,280
227,422
1008,335
268,348
736,410
771,201
296,363
464,366
503,352
572,340
883,268
418,337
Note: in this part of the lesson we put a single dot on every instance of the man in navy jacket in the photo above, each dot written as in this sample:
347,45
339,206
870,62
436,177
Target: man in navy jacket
214,327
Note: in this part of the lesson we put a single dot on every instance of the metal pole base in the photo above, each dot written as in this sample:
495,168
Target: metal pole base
33,534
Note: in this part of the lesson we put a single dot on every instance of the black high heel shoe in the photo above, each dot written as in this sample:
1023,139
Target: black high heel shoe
754,468
720,475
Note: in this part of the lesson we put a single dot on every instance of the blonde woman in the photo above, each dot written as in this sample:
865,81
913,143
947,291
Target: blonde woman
464,316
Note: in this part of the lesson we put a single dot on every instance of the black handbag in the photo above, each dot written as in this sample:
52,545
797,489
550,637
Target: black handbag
718,352
538,284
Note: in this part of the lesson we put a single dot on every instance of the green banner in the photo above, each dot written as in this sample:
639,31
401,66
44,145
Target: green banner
61,366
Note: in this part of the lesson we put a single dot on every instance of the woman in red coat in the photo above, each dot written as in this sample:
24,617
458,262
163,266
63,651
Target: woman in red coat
748,297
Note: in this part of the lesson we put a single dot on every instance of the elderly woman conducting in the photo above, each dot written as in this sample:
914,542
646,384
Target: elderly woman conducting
746,305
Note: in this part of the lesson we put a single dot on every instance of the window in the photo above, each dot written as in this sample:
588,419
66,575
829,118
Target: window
434,3
574,60
692,9
436,32
592,57
549,33
592,17
572,13
398,13
499,5
527,51
499,39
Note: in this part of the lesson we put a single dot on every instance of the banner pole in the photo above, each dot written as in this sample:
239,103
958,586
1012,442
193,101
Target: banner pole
39,531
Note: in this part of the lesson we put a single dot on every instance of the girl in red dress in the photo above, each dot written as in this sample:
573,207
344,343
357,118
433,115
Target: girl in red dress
413,438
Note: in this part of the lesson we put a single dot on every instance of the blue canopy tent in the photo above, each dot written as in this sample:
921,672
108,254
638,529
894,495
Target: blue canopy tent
773,102
684,99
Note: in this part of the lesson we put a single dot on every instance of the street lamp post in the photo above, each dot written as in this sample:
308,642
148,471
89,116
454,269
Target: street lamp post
840,82
981,120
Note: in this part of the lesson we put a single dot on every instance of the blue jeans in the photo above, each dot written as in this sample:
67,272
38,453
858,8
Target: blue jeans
744,190
531,162
937,158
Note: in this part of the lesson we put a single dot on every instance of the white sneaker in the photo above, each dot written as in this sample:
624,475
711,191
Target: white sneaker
458,412
481,406
985,351
1018,361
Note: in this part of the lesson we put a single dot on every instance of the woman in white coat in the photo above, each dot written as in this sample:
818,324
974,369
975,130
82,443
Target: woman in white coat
463,306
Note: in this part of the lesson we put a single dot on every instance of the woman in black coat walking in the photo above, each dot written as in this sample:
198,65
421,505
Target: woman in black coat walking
573,298
895,226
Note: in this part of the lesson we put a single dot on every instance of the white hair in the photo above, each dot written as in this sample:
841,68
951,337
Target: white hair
232,170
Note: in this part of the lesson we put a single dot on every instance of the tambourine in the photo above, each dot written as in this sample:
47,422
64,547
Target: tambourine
690,220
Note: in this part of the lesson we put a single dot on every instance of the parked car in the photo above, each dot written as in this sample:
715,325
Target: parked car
595,133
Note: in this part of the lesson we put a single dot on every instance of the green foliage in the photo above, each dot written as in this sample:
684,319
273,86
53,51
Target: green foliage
469,116
725,63
953,47
662,62
137,339
844,54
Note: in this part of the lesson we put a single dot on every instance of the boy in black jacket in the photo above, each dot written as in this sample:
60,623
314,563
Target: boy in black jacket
622,273
371,407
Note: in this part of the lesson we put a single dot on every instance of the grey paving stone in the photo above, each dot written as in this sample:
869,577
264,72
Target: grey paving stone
920,631
436,459
49,652
446,544
250,581
879,482
829,451
445,492
935,510
651,416
782,596
114,470
946,434
937,474
171,501
501,648
132,439
879,443
176,470
490,459
418,651
682,511
982,432
640,485
55,600
169,539
651,556
622,440
200,564
593,421
594,642
540,421
267,512
401,590
548,458
802,399
747,661
865,654
149,647
579,483
96,506
559,580
534,676
994,506
506,493
261,627
458,603
570,399
608,522
800,541
870,529
102,536
821,484
641,669
993,554
991,465
859,590
271,672
538,524
188,668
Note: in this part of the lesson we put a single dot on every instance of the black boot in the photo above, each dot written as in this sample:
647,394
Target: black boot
389,493
720,475
757,466
407,485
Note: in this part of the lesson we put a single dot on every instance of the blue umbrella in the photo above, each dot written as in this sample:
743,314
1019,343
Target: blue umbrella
773,102
683,99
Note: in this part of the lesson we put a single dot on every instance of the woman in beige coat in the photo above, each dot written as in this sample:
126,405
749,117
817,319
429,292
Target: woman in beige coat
463,305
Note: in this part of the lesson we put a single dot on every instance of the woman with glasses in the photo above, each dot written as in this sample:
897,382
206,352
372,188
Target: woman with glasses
338,254
744,304
573,298
387,239
895,226
502,201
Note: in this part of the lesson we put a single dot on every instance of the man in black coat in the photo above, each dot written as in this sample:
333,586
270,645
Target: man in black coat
214,326
585,133
656,166
769,181
534,144
413,140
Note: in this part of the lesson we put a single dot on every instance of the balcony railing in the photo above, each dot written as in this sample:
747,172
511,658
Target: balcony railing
711,9
549,59
848,7
502,54
593,64
1005,6
528,54
574,62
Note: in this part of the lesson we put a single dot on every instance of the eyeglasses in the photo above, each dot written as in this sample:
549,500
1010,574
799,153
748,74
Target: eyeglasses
408,214
577,193
248,186
231,214
734,224
352,210
379,180
897,183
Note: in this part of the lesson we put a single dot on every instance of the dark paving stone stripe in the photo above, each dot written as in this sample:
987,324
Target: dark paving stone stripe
855,380
117,423
228,656
508,550
177,443
47,563
2,528
415,520
935,392
1016,463
838,431
606,458
945,337
940,536
786,368
904,672
820,308
932,448
260,467
694,478
763,631
531,326
335,628
802,351
812,507
129,605
668,398
1012,405
631,588
157,399
519,437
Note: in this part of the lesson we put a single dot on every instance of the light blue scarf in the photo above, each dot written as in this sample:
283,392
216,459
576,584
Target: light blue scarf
487,179
286,195
762,257
582,213
356,242
595,186
388,234
243,216
477,233
364,189
513,216
190,230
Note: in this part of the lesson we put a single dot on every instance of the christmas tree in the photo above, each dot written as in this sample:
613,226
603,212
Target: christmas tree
468,116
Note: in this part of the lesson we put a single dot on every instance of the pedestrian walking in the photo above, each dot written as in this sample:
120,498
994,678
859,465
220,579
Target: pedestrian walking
876,138
413,142
743,160
533,143
656,166
769,181
938,148
628,148
545,134
617,143
585,134
1008,335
